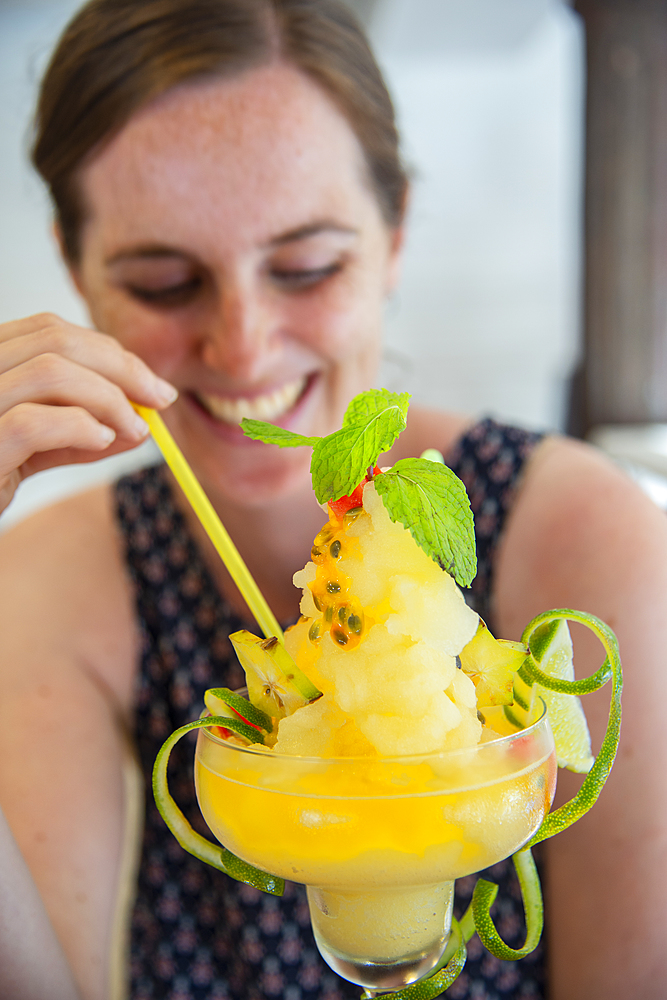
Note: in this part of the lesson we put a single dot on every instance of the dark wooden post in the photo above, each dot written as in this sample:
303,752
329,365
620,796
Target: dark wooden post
625,367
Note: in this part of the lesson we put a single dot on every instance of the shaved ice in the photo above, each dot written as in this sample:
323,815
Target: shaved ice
381,627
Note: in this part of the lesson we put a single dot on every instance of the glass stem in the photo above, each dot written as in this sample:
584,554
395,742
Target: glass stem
440,980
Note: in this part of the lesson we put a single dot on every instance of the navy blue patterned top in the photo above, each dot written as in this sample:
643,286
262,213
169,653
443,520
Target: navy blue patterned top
197,934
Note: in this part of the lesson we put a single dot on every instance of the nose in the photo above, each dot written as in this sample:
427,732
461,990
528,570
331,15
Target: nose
240,337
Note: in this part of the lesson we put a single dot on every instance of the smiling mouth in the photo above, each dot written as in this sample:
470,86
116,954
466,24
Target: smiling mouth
268,407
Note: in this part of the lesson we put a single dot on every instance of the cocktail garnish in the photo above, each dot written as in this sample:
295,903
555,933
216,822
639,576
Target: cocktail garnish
443,526
551,650
231,705
492,663
611,669
191,841
371,424
275,683
538,637
424,496
483,898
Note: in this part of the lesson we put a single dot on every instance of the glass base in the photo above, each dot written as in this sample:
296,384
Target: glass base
379,977
382,939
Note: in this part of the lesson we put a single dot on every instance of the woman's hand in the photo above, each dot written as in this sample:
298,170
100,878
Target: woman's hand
64,397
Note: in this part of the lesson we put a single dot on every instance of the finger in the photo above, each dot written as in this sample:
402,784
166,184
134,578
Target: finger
27,324
8,488
31,428
42,460
22,340
54,380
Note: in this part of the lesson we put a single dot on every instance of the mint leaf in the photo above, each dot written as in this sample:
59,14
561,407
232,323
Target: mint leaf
372,423
372,402
423,495
260,430
432,503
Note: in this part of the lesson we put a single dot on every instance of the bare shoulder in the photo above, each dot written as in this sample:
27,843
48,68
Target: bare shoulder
64,588
580,534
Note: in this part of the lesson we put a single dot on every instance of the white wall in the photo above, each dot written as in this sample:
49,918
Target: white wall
490,100
32,278
489,95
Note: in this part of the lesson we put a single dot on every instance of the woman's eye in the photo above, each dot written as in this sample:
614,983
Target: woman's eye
170,295
298,278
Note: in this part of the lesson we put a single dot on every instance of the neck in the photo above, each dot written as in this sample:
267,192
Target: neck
273,541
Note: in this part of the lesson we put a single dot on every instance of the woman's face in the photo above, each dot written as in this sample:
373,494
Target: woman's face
234,243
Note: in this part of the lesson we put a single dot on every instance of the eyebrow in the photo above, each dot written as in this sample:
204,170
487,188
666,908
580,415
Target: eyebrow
311,229
146,252
156,251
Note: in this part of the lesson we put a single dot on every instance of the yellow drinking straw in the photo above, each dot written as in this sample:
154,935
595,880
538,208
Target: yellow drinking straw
211,523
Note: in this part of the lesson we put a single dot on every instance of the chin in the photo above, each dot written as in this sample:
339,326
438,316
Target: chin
256,481
232,468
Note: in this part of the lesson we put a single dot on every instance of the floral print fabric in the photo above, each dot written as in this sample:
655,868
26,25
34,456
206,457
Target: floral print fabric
197,934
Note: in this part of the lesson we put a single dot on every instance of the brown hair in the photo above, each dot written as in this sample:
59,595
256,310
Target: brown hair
117,55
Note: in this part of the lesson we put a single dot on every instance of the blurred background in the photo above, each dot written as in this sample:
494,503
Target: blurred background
490,101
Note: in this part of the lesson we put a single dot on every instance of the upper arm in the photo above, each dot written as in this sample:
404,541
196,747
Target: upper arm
68,648
581,531
581,535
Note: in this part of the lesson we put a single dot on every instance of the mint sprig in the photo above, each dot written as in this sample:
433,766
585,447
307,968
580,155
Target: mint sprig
371,424
432,503
424,496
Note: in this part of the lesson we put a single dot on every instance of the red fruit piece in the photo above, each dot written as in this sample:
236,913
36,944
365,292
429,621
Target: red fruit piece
341,506
247,721
226,733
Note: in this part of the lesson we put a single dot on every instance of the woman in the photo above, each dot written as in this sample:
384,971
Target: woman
229,201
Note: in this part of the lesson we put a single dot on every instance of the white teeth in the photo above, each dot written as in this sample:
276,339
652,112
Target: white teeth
268,407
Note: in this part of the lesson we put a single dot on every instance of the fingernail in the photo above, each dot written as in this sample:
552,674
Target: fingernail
107,434
165,392
140,427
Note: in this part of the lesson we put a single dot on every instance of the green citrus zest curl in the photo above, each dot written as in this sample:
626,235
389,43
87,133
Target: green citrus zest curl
439,980
531,894
594,781
477,917
584,686
213,854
